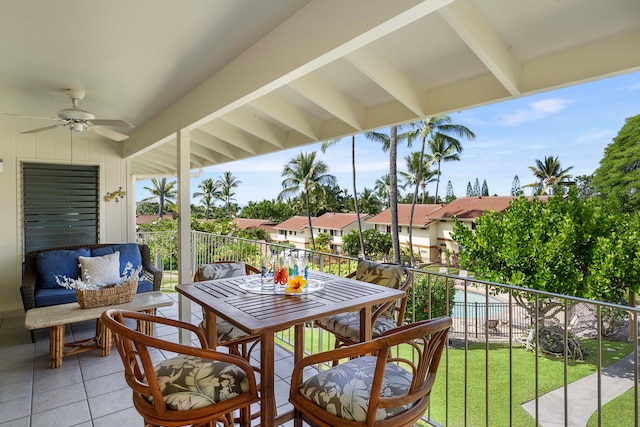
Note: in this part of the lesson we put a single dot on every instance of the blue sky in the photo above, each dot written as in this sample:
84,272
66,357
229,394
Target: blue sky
575,124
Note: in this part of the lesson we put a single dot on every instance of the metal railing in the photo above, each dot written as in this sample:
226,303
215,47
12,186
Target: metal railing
487,376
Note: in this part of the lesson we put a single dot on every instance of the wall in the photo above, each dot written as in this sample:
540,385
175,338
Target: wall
55,146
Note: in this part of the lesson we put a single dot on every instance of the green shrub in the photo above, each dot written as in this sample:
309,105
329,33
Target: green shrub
430,294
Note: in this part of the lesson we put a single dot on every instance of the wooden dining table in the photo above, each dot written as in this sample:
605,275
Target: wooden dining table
265,314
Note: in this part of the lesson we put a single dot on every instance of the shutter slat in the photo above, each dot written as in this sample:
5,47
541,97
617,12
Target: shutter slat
60,205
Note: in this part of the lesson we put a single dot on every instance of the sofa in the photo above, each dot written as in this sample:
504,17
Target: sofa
40,268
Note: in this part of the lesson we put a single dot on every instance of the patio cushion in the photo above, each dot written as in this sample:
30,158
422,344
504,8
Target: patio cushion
221,270
344,390
129,252
62,263
348,325
389,275
60,295
190,382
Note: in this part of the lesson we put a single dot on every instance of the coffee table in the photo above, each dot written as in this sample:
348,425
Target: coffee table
55,317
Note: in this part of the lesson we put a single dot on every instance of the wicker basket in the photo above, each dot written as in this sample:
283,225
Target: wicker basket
108,295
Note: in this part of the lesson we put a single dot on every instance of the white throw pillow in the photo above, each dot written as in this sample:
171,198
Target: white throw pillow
100,270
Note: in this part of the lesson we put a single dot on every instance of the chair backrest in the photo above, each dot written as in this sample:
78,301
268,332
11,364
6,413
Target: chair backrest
426,339
389,275
133,345
218,270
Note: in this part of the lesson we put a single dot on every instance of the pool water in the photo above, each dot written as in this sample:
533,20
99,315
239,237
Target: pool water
476,305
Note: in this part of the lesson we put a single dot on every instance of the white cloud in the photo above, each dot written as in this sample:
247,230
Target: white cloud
635,86
537,110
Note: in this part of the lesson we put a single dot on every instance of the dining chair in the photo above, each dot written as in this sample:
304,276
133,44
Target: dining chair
235,339
391,388
195,386
346,326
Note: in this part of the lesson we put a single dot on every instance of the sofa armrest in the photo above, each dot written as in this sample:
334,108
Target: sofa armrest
148,266
28,286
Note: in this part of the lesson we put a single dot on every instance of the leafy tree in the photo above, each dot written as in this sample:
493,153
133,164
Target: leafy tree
146,208
209,193
485,189
584,183
550,176
431,299
164,193
564,246
516,190
618,176
304,174
322,242
469,189
450,195
275,210
376,244
226,183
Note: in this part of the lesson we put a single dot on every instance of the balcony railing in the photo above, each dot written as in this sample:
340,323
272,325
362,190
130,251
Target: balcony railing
516,356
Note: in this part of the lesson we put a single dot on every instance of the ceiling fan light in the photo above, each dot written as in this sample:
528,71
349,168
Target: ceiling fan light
77,127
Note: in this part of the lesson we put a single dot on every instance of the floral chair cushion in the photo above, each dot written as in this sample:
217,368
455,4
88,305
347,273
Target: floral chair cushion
344,390
221,270
189,382
348,325
226,330
389,275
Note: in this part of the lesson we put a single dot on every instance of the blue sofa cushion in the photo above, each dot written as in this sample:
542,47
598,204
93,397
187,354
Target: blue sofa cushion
59,262
129,252
46,297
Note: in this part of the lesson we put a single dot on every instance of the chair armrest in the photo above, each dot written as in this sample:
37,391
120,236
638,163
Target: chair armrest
148,266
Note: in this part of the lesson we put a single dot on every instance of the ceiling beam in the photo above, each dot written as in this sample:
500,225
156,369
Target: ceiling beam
328,96
468,21
232,135
245,120
284,111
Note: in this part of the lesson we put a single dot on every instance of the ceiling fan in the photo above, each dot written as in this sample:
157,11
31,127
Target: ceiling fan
78,120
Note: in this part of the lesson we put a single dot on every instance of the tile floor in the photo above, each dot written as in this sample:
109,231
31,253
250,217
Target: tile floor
87,390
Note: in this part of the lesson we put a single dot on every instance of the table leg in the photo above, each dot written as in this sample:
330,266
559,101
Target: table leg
365,324
56,344
267,388
104,339
147,327
212,329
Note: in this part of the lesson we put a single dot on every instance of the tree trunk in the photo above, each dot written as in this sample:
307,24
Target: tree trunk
414,200
435,199
313,243
355,195
393,192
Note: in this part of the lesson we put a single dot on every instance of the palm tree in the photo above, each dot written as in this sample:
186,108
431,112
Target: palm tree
413,170
382,188
303,174
390,143
369,202
226,182
210,192
164,192
439,128
549,175
356,208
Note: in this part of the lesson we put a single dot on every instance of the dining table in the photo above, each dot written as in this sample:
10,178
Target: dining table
242,302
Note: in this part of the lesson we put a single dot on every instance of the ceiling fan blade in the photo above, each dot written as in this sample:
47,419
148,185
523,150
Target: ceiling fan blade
106,122
42,129
111,134
32,117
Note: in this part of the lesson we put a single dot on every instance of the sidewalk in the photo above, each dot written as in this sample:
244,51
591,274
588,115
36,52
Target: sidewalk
583,395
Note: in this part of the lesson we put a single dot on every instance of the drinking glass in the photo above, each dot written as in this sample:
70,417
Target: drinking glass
281,271
267,265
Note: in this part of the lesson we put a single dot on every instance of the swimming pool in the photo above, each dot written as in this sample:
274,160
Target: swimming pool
476,305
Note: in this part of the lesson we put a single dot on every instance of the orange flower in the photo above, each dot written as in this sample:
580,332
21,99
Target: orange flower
295,285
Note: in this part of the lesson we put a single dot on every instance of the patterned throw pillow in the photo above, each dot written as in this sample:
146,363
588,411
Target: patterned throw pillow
100,270
190,382
221,271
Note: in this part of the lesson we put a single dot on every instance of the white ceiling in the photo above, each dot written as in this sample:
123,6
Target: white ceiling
250,77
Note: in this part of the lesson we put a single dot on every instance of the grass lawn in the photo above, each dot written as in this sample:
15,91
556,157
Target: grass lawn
551,376
613,412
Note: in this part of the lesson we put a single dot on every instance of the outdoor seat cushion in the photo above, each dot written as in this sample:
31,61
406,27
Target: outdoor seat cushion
49,296
348,325
344,390
190,382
